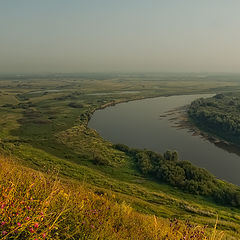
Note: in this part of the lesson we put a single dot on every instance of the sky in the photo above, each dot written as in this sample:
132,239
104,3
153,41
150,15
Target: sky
119,36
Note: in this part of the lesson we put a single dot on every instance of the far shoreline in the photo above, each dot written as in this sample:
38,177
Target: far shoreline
183,121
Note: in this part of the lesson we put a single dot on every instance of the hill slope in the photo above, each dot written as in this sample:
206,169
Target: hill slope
36,206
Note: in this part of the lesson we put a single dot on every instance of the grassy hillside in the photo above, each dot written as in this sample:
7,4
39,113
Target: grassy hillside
37,206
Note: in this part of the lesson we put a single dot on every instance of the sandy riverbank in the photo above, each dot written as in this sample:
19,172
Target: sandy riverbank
180,120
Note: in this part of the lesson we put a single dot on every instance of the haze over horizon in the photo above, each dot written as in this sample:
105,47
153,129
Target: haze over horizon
133,35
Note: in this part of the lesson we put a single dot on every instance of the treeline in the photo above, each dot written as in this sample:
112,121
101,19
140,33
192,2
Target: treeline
219,114
182,174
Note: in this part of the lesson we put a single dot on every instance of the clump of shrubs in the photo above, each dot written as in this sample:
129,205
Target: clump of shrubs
100,160
75,105
183,174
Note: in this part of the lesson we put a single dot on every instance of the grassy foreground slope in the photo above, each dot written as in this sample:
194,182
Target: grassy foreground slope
43,125
37,206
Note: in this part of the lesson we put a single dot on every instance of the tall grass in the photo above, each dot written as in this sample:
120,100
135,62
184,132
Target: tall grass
36,206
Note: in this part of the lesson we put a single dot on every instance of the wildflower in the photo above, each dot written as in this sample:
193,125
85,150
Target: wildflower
19,224
65,195
36,225
31,230
27,218
4,233
44,235
3,223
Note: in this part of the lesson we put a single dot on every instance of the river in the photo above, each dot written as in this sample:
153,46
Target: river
149,123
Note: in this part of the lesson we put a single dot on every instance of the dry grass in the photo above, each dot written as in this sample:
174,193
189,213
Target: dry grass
36,206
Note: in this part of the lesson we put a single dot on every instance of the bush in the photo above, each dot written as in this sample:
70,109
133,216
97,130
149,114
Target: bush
100,160
75,105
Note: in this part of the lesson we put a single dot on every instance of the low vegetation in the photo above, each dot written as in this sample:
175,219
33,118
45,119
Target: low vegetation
37,206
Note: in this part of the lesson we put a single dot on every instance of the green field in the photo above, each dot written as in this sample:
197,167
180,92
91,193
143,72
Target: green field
43,125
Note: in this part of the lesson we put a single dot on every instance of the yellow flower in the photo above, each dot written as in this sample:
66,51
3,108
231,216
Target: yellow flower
65,195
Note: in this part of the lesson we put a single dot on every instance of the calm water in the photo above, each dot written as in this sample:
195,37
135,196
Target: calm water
138,124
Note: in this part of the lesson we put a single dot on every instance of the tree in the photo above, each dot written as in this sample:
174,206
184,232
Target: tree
144,162
171,156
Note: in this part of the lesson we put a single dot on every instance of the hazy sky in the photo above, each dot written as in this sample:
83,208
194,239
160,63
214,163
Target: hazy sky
119,35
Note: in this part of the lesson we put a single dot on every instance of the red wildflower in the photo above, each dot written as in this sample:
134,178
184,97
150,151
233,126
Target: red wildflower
36,225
